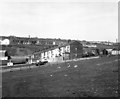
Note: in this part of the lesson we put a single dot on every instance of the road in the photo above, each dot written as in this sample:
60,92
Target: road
30,66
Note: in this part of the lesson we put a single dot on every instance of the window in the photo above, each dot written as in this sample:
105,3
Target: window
67,48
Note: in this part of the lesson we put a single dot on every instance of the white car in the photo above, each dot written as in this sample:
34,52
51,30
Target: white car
42,62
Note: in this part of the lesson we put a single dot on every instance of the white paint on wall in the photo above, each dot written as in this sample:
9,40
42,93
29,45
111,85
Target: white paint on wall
115,52
54,55
42,55
45,54
68,48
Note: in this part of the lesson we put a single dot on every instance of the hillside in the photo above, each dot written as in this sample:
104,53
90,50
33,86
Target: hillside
21,46
23,50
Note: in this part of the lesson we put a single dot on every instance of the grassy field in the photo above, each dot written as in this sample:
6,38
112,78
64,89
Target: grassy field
87,78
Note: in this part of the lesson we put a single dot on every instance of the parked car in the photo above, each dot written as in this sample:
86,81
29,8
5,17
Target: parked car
42,62
88,54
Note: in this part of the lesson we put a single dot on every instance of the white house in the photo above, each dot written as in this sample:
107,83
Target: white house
4,59
67,48
42,55
49,54
115,52
52,54
2,55
45,54
57,54
109,50
62,50
5,42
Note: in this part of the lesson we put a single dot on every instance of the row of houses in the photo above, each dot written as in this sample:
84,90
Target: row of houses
102,42
72,50
34,41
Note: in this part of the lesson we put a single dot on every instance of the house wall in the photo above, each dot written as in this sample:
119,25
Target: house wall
62,50
37,56
45,54
53,53
5,42
67,48
49,54
76,50
115,52
42,55
109,50
2,55
66,56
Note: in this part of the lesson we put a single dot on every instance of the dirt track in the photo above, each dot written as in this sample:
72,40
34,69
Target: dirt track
87,78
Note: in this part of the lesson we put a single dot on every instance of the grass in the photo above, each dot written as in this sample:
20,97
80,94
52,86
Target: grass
22,50
87,80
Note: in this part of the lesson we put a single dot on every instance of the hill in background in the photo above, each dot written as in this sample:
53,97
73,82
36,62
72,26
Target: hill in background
22,46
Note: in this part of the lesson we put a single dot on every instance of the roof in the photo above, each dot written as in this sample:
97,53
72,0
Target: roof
57,47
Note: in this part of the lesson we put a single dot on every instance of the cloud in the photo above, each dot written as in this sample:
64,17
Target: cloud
74,20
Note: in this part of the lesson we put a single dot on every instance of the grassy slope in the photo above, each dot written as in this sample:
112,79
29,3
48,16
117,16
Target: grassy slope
88,80
22,50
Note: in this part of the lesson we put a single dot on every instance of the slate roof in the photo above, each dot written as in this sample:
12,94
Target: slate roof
56,47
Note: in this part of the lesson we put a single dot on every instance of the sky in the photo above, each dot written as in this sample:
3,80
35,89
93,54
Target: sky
91,20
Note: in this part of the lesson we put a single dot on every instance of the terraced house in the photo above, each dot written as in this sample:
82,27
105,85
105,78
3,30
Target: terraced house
71,50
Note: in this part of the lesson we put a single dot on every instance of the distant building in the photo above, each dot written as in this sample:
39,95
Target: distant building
109,51
4,42
53,43
115,52
3,57
34,41
90,45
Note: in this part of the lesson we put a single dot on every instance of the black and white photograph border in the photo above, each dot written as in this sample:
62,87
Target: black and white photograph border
59,48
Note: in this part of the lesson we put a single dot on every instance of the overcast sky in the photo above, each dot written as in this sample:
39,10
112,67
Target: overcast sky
95,21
